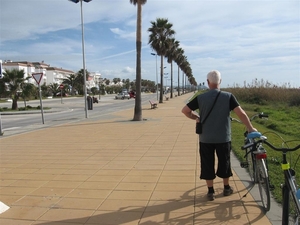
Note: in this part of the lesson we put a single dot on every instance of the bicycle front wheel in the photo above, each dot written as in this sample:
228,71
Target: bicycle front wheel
293,213
290,213
263,183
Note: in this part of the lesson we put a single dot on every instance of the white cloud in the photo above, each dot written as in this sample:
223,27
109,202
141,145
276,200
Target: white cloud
243,39
128,70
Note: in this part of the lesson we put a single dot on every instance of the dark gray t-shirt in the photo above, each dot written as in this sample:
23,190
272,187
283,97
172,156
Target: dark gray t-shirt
217,127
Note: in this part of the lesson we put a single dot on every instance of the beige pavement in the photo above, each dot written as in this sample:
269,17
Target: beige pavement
116,171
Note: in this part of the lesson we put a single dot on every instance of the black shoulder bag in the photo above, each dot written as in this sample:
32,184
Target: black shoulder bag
199,125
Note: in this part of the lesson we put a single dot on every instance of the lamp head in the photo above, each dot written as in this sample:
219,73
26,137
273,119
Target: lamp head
76,1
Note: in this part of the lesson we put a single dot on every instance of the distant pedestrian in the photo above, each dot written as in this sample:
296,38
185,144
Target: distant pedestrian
215,131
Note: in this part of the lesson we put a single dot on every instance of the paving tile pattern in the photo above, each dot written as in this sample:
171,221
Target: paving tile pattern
116,171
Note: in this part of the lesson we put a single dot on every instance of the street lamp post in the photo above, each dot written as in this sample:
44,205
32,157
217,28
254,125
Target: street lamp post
83,56
166,81
156,76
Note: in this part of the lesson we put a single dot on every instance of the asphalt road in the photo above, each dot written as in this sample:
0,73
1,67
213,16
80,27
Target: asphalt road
65,110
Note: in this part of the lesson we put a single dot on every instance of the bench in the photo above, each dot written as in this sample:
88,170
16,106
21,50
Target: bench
153,104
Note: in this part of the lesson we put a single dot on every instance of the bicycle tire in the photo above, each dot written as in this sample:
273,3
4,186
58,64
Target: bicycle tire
263,184
289,212
251,165
293,215
285,205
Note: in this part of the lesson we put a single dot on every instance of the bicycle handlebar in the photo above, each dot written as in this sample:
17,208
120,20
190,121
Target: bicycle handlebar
260,115
271,146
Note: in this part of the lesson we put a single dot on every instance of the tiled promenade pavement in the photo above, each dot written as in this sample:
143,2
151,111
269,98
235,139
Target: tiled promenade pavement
116,171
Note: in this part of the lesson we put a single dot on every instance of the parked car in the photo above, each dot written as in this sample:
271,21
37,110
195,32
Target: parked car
132,94
122,95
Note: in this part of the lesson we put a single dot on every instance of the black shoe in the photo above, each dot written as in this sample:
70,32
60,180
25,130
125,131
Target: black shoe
211,196
228,191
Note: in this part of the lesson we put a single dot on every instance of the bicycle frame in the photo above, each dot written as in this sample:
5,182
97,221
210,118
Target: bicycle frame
257,151
258,166
256,163
289,187
250,161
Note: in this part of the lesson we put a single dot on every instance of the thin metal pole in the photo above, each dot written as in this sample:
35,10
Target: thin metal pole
156,79
1,131
61,101
83,61
41,102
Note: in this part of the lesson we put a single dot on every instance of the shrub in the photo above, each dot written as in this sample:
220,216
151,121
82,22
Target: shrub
263,95
295,100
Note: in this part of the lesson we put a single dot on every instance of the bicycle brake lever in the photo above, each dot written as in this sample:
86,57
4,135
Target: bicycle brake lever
262,115
247,146
264,138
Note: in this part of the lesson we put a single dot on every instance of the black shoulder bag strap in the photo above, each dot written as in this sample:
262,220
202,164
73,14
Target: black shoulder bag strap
211,107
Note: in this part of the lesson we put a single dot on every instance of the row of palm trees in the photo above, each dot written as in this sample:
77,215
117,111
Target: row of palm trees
162,41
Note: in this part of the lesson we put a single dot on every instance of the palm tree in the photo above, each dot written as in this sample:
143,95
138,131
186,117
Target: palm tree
79,82
70,81
185,68
28,90
138,98
116,80
171,56
53,88
160,32
46,91
11,83
179,60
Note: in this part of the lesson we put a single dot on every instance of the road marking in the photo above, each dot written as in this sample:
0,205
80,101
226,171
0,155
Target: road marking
3,207
11,128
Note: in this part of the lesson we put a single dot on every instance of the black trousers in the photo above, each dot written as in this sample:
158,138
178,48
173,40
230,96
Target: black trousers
207,158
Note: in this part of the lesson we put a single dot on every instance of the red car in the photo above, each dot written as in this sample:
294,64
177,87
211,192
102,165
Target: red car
132,94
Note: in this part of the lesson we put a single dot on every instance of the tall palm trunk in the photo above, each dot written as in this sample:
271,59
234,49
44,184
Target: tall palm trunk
161,79
14,105
183,90
178,83
171,95
138,99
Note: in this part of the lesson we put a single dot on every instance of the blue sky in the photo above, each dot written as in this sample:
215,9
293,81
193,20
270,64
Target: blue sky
244,40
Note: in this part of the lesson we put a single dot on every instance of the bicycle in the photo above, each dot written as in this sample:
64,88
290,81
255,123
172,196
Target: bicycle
256,162
289,188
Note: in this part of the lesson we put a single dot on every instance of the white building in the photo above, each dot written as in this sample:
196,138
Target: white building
28,68
56,75
51,74
94,80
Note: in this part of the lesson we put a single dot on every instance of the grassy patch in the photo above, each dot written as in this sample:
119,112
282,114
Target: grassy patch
27,108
